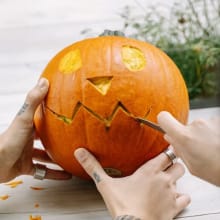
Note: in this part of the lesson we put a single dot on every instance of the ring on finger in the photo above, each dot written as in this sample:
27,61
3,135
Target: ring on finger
171,155
40,171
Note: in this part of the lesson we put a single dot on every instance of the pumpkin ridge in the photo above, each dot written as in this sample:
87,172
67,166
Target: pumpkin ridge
106,120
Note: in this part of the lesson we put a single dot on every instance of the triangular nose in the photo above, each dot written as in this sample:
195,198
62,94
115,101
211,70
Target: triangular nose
102,84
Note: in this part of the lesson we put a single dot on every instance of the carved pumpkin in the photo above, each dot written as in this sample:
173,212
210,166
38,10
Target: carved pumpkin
97,85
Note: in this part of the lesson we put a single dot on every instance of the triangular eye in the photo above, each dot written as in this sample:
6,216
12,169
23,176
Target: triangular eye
102,84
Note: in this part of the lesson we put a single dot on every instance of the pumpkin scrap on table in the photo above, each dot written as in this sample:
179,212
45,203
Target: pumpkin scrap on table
97,87
38,217
14,184
37,188
4,197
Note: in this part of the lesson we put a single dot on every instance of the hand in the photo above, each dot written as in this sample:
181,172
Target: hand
197,144
16,143
139,194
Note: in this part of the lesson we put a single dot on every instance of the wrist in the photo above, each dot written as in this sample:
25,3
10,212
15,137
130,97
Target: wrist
127,217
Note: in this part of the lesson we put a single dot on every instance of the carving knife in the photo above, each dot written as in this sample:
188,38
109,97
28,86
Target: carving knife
150,124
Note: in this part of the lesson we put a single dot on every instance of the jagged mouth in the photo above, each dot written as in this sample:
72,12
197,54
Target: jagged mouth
105,120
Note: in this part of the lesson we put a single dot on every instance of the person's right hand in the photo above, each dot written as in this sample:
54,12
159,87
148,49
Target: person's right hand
197,144
148,194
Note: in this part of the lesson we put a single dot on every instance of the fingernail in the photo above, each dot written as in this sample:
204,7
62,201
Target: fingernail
43,83
80,154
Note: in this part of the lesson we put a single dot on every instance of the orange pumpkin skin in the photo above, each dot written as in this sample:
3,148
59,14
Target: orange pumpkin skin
94,94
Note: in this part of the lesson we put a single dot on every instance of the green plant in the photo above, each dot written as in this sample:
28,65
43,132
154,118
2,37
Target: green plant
190,35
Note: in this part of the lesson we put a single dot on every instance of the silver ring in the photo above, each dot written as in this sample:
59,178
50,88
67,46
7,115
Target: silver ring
40,171
171,155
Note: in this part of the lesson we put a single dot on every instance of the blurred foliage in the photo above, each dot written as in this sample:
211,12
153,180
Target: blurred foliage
190,35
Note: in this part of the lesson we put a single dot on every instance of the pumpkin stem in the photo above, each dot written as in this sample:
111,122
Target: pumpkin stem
112,33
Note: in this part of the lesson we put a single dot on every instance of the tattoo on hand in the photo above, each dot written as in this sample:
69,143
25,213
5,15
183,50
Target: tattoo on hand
126,217
23,108
96,177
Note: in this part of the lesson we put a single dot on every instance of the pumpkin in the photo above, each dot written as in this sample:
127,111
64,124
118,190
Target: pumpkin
97,87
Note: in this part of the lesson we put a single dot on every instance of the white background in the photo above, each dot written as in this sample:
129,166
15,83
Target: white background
32,32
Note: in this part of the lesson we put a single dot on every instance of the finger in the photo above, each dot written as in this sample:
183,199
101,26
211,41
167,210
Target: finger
57,174
158,163
90,165
172,143
169,123
41,155
172,148
175,171
182,201
33,99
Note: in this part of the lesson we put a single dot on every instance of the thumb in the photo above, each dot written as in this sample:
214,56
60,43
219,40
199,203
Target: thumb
90,165
170,125
33,99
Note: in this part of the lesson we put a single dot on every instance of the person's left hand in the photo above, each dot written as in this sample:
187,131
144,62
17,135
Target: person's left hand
16,143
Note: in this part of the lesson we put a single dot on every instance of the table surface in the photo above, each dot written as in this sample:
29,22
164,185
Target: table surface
79,199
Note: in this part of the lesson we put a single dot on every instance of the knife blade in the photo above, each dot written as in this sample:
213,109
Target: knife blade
150,124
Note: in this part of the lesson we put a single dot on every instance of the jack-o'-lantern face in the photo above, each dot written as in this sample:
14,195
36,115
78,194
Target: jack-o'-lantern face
96,87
